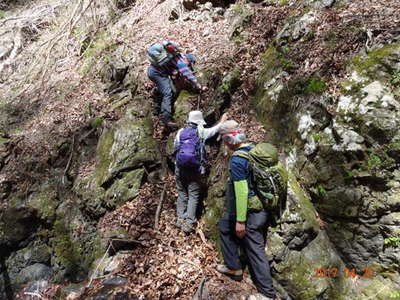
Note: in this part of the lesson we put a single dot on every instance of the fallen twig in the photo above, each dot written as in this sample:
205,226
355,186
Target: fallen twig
160,203
65,174
98,265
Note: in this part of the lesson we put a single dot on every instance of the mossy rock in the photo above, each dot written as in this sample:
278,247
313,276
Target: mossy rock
378,64
371,109
19,263
298,247
378,288
214,106
90,196
214,202
17,224
73,252
124,189
66,252
184,103
241,15
45,202
128,145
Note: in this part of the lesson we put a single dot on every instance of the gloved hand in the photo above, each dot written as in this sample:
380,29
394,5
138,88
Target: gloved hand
203,88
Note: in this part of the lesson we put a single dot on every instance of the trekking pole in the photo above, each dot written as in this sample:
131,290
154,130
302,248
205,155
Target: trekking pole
199,100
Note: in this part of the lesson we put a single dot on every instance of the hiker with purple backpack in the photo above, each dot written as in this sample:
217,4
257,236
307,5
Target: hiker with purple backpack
190,166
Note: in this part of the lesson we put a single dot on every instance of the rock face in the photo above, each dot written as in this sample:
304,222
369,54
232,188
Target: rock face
51,229
126,147
349,163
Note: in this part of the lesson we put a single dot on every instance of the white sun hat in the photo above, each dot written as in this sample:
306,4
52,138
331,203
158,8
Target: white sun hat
196,117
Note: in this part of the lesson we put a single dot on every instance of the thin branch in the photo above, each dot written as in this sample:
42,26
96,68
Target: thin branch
160,203
98,265
65,174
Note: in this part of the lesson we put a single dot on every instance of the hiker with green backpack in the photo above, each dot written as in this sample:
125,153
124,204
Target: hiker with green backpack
171,70
190,166
256,186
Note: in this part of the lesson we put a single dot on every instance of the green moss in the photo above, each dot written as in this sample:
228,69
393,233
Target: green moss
271,67
349,175
97,52
237,39
124,189
321,190
373,162
315,86
394,295
396,78
393,146
46,203
378,289
103,153
287,64
126,146
97,251
215,199
230,82
2,14
237,8
3,140
365,64
317,137
96,122
392,241
183,105
67,253
307,211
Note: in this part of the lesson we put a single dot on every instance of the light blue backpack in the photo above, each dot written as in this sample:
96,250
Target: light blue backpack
159,54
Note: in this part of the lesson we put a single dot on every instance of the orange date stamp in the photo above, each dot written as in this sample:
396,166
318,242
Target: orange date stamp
364,273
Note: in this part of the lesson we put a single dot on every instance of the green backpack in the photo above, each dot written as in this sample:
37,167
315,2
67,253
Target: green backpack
269,175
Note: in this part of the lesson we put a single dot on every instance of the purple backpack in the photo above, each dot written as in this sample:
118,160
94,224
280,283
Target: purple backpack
190,152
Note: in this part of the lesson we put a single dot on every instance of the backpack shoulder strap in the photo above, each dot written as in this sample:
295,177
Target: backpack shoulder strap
241,153
200,131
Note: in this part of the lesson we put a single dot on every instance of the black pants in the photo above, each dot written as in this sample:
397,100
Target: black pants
253,245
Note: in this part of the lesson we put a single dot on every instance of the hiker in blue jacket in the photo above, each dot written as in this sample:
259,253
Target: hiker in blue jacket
170,70
241,225
190,167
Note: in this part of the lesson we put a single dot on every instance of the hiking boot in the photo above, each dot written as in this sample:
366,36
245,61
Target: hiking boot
234,274
259,296
171,126
179,222
187,227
